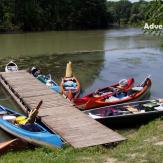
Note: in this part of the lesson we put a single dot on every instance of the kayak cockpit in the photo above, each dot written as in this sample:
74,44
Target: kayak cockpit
31,127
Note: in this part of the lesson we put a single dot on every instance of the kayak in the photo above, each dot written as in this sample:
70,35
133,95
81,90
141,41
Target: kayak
46,79
70,87
127,114
10,121
11,67
115,94
81,102
14,144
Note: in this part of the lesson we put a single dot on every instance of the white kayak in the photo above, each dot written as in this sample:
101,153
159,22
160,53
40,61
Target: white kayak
11,67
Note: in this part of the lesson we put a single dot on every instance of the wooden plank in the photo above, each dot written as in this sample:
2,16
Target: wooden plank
33,90
28,89
18,77
15,76
52,97
46,104
26,80
11,73
36,93
15,83
34,86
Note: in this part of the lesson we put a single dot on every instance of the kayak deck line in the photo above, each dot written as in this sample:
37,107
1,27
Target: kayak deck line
57,113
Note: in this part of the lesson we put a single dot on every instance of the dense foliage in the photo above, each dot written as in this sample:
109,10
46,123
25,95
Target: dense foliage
31,15
125,12
37,15
154,14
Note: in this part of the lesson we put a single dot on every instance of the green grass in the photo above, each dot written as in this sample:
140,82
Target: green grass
143,145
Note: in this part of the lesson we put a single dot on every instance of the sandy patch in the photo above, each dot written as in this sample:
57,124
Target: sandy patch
110,160
160,126
159,143
151,139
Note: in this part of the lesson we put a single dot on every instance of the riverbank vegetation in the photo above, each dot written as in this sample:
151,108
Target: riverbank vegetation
40,15
143,145
124,12
36,15
155,16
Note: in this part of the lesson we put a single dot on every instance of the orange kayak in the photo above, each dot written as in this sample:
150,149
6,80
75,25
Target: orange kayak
14,144
70,87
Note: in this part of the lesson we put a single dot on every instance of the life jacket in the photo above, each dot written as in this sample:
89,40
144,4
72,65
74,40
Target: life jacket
129,84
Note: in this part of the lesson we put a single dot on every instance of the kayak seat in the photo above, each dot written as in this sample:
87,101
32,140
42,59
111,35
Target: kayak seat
21,120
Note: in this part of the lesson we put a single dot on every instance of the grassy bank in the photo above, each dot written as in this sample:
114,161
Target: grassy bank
143,145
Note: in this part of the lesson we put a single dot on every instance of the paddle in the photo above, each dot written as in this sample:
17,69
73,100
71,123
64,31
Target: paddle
33,113
143,82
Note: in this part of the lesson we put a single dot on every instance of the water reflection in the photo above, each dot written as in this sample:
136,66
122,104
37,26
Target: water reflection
86,66
45,43
131,38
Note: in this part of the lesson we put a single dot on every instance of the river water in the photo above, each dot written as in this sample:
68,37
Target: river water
99,58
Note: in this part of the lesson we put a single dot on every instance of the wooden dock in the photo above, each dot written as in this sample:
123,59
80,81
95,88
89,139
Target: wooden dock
59,115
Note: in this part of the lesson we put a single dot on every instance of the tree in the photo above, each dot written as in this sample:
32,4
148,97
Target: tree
34,15
7,15
120,11
137,15
123,9
154,14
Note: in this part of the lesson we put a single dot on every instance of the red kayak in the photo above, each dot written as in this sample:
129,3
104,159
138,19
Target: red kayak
122,92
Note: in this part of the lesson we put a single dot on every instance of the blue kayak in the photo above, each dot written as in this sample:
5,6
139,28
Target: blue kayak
49,82
46,79
32,133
